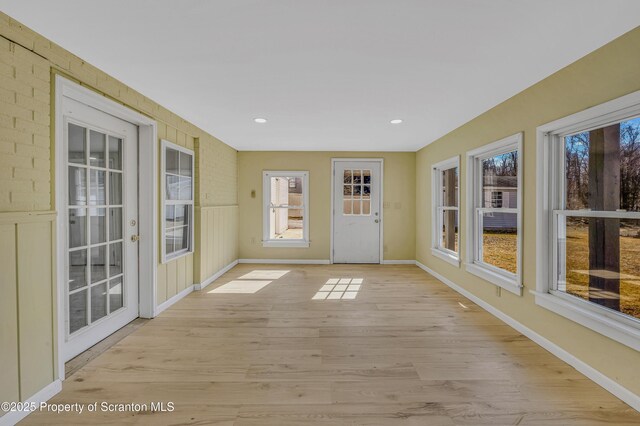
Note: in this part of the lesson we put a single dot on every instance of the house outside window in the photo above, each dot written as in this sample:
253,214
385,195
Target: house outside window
494,175
589,212
285,209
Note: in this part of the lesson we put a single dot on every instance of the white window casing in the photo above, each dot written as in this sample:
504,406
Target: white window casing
550,212
267,238
439,207
511,282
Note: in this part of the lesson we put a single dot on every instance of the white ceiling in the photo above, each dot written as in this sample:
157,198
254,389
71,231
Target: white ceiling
328,75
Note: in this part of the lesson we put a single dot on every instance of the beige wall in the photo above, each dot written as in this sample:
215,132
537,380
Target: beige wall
27,294
399,196
608,73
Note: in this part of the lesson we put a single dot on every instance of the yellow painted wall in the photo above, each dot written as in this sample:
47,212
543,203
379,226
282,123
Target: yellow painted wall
28,62
399,196
608,73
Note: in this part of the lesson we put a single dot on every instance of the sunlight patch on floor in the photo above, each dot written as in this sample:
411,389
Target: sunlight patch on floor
339,289
241,287
264,274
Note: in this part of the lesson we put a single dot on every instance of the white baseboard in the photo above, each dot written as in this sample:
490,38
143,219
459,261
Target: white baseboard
607,383
288,261
398,262
46,393
215,276
167,303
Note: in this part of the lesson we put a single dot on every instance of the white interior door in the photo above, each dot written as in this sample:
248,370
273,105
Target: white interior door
356,215
101,175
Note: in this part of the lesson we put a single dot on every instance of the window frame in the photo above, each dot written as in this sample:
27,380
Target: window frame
168,257
550,197
266,205
438,208
474,264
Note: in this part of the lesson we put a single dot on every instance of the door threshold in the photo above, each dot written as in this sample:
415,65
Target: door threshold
79,361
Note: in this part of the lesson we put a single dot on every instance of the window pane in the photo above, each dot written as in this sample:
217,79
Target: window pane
116,299
172,189
115,153
500,173
98,263
185,188
77,269
77,186
97,187
98,225
450,187
168,242
286,223
115,188
182,238
171,158
77,227
77,310
179,218
115,223
599,261
185,165
286,191
602,168
169,216
98,301
450,230
500,240
97,142
115,259
77,144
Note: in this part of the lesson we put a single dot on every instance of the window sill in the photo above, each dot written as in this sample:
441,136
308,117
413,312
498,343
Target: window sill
447,257
286,243
175,256
500,280
588,316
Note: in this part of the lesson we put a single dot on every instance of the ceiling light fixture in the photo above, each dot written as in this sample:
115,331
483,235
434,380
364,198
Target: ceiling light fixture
260,120
396,121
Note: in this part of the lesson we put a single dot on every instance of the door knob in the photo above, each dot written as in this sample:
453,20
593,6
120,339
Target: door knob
135,238
377,221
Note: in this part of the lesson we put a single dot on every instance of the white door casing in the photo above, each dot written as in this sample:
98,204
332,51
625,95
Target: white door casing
101,216
357,212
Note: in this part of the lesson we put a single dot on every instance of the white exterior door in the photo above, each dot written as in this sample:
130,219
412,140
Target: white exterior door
356,215
101,216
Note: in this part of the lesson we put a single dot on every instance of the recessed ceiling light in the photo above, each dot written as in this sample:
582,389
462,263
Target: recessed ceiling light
260,120
396,121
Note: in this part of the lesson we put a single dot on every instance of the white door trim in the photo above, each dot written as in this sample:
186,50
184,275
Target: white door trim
147,200
333,178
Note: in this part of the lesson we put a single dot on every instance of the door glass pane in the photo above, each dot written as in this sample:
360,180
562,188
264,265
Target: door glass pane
97,142
347,208
115,223
77,269
98,225
500,240
115,294
366,177
185,164
172,161
98,263
115,259
98,301
115,153
172,187
77,310
77,186
356,206
97,188
347,191
77,227
357,177
77,144
366,207
347,176
185,188
115,188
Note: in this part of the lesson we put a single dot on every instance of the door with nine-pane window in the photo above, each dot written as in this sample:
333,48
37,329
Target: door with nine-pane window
101,289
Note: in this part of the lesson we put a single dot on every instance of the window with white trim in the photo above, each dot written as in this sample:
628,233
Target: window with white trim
285,209
177,201
446,199
590,237
494,217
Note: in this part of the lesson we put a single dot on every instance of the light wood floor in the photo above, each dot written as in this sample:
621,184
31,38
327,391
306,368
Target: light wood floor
407,351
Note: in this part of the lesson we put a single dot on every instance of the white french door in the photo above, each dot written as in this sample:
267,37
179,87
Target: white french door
356,216
101,214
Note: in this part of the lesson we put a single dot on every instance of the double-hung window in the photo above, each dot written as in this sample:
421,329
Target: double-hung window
445,193
285,209
177,201
494,217
589,218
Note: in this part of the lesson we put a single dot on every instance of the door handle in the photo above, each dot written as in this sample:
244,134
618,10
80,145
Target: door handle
377,221
135,238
